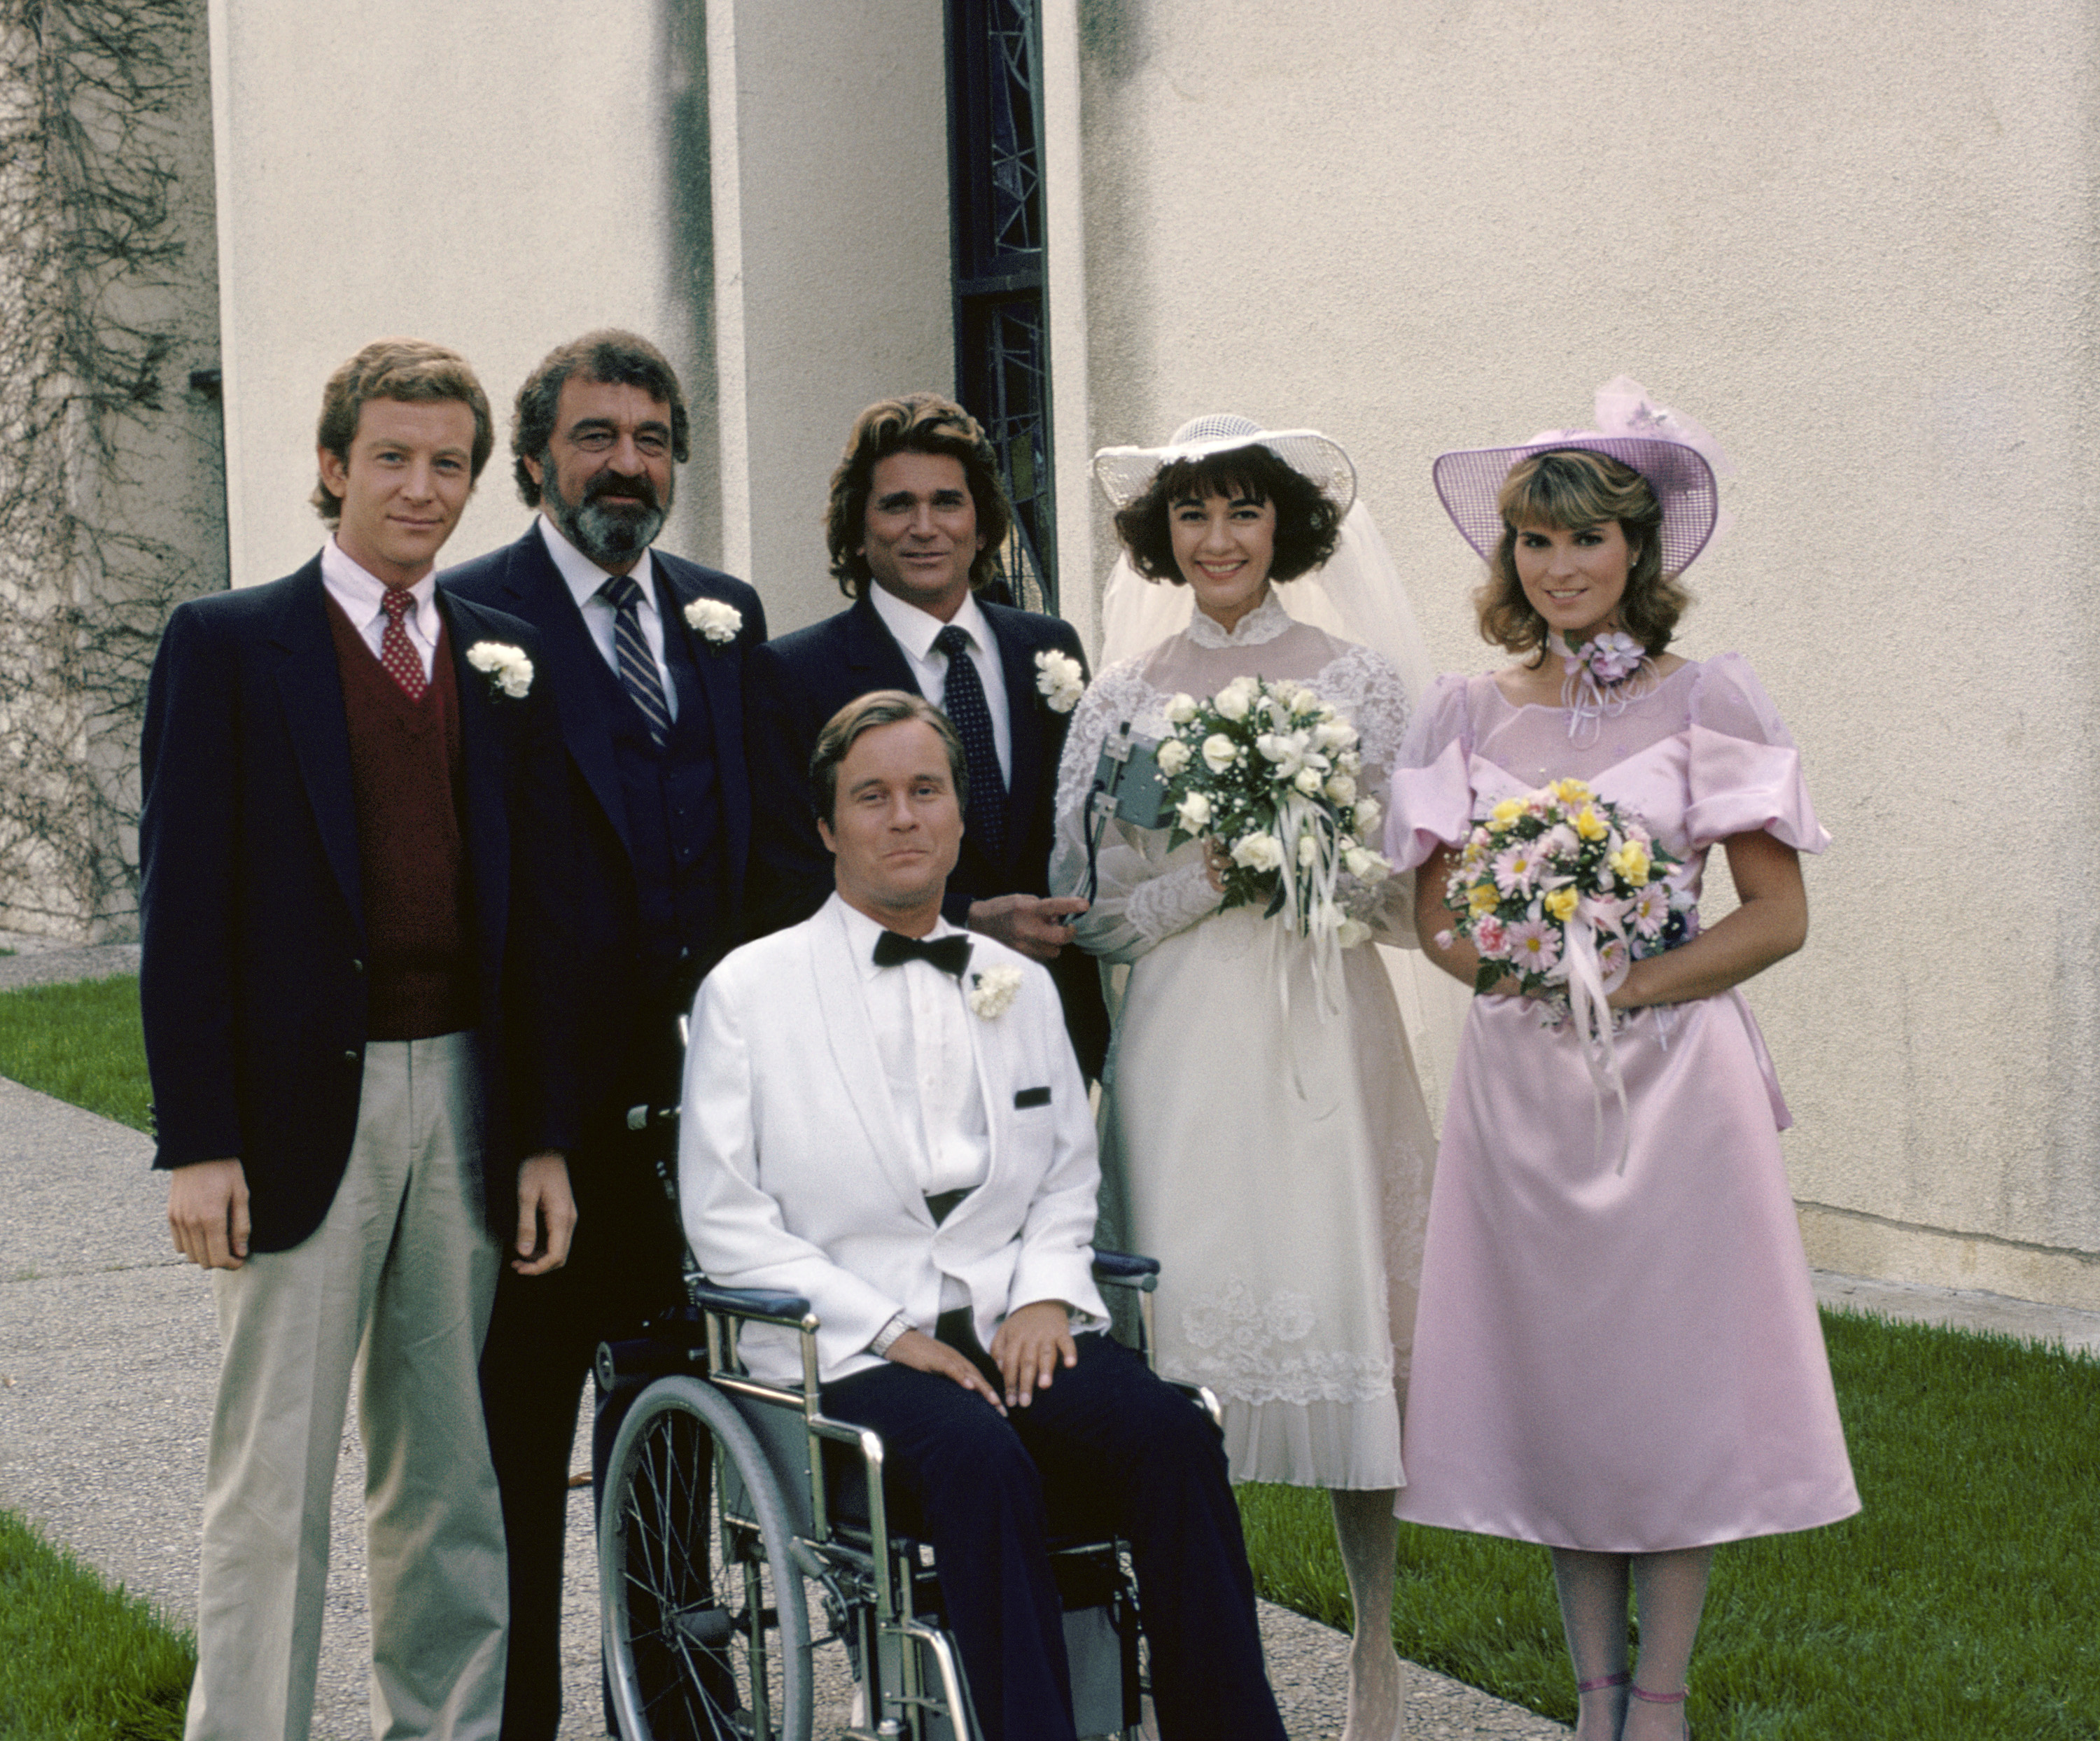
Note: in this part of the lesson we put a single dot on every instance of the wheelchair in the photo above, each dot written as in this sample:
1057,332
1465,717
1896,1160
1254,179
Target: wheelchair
728,1500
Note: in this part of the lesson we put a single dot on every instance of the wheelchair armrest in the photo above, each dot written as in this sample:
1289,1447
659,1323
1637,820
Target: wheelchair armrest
749,1303
1126,1269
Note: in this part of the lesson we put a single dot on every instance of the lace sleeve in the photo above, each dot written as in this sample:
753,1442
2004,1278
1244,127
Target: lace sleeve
1145,893
1370,689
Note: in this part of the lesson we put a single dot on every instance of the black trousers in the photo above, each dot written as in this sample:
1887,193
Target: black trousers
543,1336
1107,1440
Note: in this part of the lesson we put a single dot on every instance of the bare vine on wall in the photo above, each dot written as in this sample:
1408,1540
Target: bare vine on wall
93,242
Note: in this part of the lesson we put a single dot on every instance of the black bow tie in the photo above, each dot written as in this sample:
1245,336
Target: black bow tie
951,954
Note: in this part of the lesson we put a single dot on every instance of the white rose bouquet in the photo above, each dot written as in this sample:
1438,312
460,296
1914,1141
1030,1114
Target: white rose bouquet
1269,771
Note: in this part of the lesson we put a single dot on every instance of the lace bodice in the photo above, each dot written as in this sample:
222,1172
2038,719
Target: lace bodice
1147,894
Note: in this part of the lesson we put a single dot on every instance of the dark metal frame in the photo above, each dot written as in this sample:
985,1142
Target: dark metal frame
998,237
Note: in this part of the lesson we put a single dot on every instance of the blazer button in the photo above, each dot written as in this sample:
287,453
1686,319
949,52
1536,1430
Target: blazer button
357,966
350,1057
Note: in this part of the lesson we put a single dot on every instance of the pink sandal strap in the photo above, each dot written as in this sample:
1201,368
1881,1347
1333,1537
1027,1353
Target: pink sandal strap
1646,1697
1603,1681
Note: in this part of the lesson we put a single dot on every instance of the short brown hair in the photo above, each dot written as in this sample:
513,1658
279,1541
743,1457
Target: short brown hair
863,714
613,358
1307,524
917,423
1567,489
412,370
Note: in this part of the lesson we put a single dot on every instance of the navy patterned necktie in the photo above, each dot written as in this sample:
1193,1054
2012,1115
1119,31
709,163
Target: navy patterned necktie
963,700
638,675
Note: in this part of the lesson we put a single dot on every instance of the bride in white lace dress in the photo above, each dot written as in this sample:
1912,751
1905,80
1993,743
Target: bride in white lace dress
1274,1154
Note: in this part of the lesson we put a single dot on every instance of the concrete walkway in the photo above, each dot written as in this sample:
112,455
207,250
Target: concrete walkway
109,1356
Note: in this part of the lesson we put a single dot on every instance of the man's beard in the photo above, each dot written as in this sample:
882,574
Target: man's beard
608,532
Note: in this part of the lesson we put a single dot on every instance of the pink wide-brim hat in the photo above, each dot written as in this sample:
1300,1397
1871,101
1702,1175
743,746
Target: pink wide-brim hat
1670,451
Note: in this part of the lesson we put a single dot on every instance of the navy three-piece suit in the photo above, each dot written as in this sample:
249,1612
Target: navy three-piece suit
661,838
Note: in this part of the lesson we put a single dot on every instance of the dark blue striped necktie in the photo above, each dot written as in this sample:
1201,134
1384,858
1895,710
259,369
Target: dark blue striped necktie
638,675
963,700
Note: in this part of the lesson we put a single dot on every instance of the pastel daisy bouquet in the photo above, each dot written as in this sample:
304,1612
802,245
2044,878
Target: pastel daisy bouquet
1560,886
1269,771
1563,890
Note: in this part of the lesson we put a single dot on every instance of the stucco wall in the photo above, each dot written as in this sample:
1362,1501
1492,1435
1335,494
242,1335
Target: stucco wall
498,179
1856,243
831,258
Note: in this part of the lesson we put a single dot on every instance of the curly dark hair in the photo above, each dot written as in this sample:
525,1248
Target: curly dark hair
411,370
1307,524
1566,489
916,423
611,356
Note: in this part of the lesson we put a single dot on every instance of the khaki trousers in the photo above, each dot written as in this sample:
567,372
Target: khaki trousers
393,1292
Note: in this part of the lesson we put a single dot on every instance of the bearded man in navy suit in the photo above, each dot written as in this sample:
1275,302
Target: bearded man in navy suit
916,520
351,844
647,654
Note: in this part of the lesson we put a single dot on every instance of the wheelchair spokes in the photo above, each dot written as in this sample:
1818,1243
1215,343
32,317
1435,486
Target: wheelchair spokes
707,1633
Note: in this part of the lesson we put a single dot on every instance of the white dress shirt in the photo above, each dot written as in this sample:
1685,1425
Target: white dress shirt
920,1020
914,631
358,591
584,578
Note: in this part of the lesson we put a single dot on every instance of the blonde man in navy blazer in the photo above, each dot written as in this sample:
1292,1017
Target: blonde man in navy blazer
351,848
883,1114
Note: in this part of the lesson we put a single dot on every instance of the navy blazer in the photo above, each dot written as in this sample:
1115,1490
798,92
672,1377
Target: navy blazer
521,578
795,686
251,982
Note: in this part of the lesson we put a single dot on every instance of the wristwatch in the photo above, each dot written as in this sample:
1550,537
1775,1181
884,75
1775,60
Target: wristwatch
886,1338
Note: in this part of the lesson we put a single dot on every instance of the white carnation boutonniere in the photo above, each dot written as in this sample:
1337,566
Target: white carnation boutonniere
1060,680
508,670
993,991
714,622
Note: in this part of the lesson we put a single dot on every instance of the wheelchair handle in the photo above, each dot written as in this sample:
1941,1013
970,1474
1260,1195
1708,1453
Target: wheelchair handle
1127,1269
750,1302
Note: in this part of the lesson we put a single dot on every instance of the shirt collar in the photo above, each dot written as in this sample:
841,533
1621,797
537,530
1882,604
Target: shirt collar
584,577
862,931
358,591
916,629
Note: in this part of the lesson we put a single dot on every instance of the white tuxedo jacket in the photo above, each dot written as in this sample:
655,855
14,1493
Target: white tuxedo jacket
793,1171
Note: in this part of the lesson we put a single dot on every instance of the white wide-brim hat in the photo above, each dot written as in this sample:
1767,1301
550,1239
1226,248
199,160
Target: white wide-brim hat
1670,451
1125,473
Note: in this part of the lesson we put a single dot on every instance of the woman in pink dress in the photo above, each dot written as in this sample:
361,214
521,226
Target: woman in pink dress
1617,1353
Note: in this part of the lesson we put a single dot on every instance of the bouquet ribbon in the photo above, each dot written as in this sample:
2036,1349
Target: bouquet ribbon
1592,1016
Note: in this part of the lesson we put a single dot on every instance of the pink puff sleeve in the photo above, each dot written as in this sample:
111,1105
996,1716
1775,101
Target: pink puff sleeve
1431,800
1744,772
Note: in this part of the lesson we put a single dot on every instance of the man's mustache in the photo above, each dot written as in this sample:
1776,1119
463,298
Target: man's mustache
640,489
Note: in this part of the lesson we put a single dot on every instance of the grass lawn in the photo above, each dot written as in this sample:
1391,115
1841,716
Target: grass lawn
1962,1603
79,1042
78,1659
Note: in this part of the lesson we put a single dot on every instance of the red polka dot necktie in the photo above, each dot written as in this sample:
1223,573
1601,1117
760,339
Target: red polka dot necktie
403,663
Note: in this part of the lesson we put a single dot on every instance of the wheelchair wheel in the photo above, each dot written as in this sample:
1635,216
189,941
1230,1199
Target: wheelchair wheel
707,1631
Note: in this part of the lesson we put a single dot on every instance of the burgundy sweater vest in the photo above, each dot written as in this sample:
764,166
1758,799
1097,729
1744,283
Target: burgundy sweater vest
407,779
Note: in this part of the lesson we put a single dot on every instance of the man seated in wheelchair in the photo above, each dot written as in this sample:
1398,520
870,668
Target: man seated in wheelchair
883,1115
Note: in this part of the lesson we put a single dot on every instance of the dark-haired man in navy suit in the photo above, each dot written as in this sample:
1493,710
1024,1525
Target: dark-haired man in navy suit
352,823
916,520
647,654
